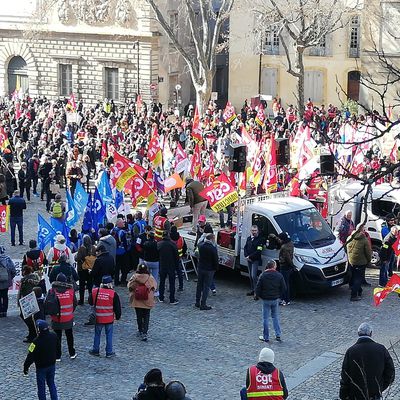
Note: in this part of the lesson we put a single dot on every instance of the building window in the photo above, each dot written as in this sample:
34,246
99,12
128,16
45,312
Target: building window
320,49
65,79
173,23
271,41
111,83
354,49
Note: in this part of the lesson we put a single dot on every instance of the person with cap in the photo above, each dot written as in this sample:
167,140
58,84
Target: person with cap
161,224
207,266
43,352
197,203
64,319
264,380
107,308
252,251
57,207
142,286
169,263
104,265
270,287
176,390
17,206
7,274
59,248
152,388
367,369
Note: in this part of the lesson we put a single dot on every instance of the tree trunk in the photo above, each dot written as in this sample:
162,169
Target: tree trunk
299,65
203,92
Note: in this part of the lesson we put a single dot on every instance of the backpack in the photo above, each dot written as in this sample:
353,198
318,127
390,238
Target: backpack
57,211
88,262
52,303
3,273
142,292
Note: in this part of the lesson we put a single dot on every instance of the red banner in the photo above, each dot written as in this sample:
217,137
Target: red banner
196,128
220,193
260,117
154,153
195,162
4,218
229,113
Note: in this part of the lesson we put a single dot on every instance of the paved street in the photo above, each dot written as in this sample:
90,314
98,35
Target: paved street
207,350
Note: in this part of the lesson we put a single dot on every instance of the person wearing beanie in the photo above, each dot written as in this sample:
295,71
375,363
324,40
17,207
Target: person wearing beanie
176,390
152,388
104,265
65,268
43,352
107,308
367,369
35,257
264,380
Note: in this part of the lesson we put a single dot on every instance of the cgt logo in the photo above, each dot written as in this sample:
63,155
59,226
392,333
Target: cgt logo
265,379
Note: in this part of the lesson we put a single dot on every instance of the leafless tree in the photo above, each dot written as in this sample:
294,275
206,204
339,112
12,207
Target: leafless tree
205,19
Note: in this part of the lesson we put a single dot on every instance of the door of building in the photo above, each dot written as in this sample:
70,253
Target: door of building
18,76
353,85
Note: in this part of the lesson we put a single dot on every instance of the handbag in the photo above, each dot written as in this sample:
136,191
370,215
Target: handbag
92,315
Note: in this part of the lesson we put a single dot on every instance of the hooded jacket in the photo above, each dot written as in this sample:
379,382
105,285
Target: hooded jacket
359,249
28,282
151,284
9,264
62,287
63,248
110,244
104,265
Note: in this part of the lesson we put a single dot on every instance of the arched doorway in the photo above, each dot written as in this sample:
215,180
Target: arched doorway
353,85
17,75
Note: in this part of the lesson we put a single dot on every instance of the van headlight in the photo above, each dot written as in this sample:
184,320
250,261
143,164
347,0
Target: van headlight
307,259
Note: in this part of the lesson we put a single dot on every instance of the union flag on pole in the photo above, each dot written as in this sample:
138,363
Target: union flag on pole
181,160
393,285
173,182
195,162
4,142
71,105
4,218
154,153
260,117
270,179
138,104
151,199
196,128
229,113
122,171
220,193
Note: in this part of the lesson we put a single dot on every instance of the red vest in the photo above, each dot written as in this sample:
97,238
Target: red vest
179,245
66,300
158,224
264,386
35,263
57,253
104,305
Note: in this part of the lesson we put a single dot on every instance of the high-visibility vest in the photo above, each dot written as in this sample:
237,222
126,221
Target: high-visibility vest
179,244
66,300
57,254
104,305
35,263
158,224
264,386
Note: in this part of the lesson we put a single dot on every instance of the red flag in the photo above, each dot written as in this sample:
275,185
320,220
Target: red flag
71,105
154,153
270,179
396,246
18,111
393,285
4,218
4,142
195,162
104,150
260,118
181,160
139,104
246,136
357,166
196,129
229,113
122,171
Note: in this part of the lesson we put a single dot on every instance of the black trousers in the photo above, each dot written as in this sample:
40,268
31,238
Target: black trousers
70,341
143,318
85,282
3,300
30,323
121,262
27,189
170,272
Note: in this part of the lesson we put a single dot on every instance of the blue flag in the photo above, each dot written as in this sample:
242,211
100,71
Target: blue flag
87,218
98,210
119,199
104,189
60,228
46,233
80,199
72,214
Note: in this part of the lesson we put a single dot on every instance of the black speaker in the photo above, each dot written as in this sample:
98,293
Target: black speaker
327,164
282,151
239,155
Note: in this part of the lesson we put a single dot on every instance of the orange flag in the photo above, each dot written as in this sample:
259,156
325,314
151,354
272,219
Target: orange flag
173,182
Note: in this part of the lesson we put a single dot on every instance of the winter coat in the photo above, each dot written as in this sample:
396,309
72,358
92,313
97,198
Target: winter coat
151,393
110,244
82,254
270,285
28,282
9,264
345,229
169,257
193,190
62,287
63,248
65,269
376,374
104,265
253,248
386,251
150,251
151,284
359,250
208,256
286,256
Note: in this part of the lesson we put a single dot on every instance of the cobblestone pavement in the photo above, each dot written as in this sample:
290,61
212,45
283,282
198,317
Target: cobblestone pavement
208,350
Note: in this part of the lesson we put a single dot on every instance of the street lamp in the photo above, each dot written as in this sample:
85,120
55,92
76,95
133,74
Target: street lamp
136,46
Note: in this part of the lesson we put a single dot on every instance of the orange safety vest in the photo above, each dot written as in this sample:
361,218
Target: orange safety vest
66,301
264,386
158,224
104,305
179,245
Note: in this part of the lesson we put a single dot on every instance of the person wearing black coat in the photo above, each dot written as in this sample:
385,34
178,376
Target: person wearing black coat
152,388
103,266
169,263
367,368
206,268
24,181
386,253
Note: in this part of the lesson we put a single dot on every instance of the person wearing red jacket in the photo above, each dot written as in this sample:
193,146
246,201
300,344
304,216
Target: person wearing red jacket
107,307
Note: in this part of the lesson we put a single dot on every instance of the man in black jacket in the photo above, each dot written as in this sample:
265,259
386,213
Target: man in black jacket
17,206
104,265
270,287
169,263
386,253
367,368
252,252
42,352
206,268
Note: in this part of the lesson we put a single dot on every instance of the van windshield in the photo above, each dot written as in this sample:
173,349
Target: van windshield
306,228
